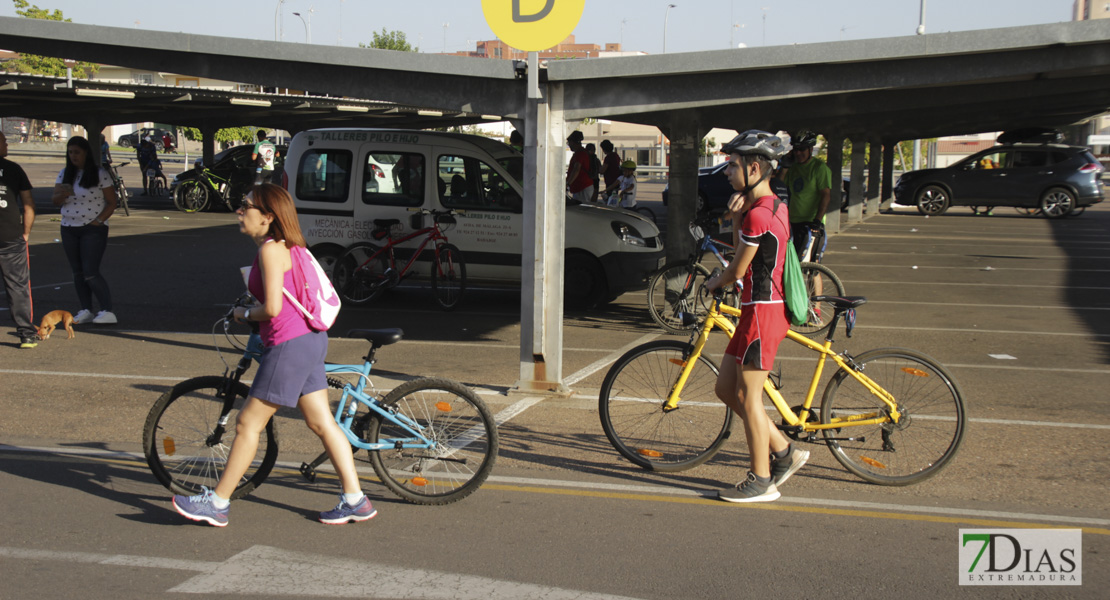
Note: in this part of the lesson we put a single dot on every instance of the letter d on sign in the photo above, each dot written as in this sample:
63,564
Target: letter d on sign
519,18
533,25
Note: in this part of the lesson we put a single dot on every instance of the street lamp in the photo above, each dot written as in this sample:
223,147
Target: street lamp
303,22
764,25
666,16
277,13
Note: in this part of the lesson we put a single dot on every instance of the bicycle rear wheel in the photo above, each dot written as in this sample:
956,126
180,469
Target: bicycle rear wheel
359,276
631,408
448,276
157,188
820,281
929,431
455,418
182,447
679,288
191,197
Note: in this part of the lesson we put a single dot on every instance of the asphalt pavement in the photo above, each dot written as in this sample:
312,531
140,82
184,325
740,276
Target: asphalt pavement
1014,306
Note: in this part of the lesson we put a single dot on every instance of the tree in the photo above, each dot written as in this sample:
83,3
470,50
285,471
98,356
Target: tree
227,134
45,65
390,40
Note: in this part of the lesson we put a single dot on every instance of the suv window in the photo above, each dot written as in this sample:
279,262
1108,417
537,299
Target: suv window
469,183
994,160
324,175
393,179
1024,159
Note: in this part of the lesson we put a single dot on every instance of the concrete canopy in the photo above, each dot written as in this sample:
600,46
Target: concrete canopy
895,88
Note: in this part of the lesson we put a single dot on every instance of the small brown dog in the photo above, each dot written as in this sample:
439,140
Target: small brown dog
52,319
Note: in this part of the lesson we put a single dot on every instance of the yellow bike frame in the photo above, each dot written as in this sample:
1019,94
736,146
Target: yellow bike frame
715,320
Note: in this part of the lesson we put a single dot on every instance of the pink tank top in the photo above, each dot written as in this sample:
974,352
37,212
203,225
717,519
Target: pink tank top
289,323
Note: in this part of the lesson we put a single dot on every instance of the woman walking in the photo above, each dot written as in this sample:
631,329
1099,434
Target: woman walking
87,197
290,372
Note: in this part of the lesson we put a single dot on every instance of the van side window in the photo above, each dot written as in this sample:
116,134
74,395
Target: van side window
324,175
393,179
469,183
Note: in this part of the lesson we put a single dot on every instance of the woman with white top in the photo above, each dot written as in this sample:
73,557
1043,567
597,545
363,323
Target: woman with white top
85,193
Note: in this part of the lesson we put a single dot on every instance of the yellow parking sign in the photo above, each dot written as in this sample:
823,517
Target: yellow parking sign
533,25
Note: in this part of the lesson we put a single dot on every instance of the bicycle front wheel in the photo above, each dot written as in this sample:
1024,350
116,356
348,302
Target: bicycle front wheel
359,274
121,198
631,408
675,289
928,433
456,420
820,281
191,197
448,276
183,446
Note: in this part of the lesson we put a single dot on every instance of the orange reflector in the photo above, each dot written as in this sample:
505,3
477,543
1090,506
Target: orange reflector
678,362
169,446
419,481
650,453
872,462
443,406
916,372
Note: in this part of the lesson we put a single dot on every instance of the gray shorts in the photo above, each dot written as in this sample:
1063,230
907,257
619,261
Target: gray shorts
292,369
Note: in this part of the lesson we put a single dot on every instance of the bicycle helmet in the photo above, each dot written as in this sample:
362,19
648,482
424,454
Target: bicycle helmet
756,142
805,139
629,164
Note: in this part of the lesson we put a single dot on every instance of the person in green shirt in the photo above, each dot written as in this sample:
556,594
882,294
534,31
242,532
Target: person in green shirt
810,183
263,157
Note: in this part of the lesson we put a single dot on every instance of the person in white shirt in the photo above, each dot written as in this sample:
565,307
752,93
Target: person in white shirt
625,186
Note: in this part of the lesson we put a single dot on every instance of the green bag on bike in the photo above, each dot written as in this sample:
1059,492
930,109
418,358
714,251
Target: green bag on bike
794,292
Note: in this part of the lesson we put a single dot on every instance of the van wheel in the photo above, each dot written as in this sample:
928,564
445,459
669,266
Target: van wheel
327,256
584,285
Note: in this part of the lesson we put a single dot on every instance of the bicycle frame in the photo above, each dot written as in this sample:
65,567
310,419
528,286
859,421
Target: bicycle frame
432,233
800,421
355,395
346,411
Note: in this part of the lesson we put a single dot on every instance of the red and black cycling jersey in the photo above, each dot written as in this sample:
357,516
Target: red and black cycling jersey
766,225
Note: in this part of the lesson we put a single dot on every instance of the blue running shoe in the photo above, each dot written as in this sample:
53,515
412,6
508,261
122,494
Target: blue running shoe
345,513
201,508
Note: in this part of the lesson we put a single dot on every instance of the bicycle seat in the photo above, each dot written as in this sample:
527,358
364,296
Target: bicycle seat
842,303
378,337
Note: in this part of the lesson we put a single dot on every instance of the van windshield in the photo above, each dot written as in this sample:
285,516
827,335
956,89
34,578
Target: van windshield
514,166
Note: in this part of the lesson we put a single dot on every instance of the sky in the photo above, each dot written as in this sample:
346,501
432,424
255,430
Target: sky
455,25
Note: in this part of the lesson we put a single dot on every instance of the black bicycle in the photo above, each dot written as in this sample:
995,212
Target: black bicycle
121,189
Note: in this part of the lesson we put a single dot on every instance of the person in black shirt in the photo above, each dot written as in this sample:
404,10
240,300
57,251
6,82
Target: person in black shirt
17,214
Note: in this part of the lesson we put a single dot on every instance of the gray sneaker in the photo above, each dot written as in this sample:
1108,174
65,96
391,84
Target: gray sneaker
783,468
750,490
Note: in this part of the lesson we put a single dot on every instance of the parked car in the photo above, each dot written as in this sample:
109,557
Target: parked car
235,165
131,140
1055,178
714,190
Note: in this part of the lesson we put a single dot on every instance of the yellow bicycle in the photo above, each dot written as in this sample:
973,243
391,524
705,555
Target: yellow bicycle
891,416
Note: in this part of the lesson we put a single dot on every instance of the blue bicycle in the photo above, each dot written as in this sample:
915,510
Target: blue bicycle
430,440
679,287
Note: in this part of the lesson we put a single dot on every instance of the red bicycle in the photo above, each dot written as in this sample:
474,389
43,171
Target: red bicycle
365,269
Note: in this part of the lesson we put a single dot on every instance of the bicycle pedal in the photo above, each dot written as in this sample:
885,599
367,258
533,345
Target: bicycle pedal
308,472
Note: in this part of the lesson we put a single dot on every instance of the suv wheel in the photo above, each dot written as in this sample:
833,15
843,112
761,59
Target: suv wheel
1057,202
932,200
124,142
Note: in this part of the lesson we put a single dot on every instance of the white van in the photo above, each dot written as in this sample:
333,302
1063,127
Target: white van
343,180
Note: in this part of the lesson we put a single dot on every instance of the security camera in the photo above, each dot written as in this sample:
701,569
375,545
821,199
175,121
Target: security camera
521,68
